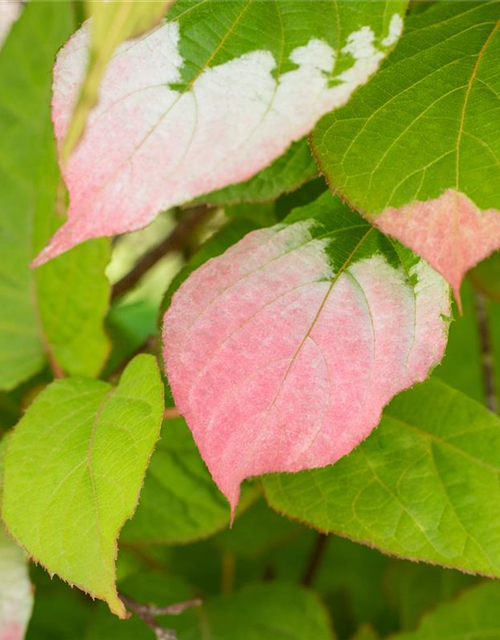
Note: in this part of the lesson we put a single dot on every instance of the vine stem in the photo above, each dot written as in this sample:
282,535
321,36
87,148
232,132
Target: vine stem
191,220
148,614
487,360
315,559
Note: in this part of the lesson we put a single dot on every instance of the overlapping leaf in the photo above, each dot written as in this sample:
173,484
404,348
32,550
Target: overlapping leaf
418,150
73,471
57,313
423,486
208,99
282,352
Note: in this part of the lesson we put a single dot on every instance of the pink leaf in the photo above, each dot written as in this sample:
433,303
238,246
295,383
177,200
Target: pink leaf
450,232
282,352
150,146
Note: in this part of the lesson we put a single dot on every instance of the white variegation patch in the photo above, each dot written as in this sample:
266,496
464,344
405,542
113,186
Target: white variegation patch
9,12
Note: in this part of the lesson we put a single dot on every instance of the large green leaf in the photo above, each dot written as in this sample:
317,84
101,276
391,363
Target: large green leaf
73,471
56,312
423,486
418,149
475,615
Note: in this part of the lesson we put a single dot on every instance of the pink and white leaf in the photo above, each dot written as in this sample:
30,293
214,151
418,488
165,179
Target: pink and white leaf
279,362
149,146
450,232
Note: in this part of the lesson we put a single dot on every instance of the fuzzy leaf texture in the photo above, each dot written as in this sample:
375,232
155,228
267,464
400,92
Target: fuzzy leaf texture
73,471
418,150
16,593
208,99
56,313
282,352
424,486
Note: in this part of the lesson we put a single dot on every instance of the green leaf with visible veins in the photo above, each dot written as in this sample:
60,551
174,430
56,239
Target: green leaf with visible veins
475,615
424,485
418,149
73,471
58,310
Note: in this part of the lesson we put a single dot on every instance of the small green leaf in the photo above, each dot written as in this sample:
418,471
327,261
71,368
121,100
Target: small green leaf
423,486
73,471
476,614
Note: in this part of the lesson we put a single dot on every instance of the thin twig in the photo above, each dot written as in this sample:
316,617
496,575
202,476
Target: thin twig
191,220
487,360
315,559
148,613
171,412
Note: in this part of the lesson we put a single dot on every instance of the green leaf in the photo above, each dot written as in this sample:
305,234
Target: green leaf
180,502
418,149
285,174
112,23
73,471
486,276
423,486
373,150
476,614
273,611
417,588
57,311
466,362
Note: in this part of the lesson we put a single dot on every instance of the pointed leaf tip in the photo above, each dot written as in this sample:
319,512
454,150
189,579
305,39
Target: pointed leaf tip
450,232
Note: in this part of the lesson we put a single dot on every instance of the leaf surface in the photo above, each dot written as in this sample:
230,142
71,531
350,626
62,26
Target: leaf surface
208,99
112,23
418,150
276,611
282,352
73,471
424,486
57,313
285,174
